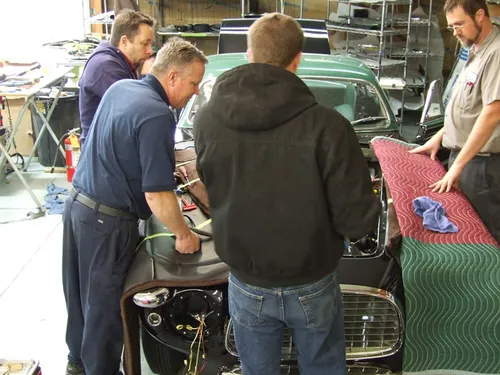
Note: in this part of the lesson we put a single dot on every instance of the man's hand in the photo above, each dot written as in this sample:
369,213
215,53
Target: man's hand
189,244
166,208
452,177
430,147
449,181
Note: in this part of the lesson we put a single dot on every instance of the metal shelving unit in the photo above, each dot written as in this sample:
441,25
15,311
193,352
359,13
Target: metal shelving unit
105,18
428,23
494,19
382,28
414,21
102,18
365,31
387,57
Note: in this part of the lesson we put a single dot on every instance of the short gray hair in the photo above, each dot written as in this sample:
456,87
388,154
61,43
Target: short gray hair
176,52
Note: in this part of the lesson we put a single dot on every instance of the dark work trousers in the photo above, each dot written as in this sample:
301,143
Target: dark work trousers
480,182
97,252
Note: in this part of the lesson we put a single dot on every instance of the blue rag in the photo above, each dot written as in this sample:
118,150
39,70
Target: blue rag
434,215
53,203
54,190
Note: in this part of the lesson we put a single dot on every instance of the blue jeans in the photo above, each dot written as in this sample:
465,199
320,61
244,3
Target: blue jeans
312,312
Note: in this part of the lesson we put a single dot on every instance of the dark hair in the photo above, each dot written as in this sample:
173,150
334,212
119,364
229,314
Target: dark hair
127,23
275,39
470,7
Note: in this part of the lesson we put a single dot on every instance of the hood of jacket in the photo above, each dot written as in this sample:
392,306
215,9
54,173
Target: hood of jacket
106,48
256,97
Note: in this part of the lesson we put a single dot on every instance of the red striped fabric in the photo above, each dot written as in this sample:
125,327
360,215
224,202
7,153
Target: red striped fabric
408,177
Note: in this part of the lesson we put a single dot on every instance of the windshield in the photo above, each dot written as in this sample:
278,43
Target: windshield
358,102
200,99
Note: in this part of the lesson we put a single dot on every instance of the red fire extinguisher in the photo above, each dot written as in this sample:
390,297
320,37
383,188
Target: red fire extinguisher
72,147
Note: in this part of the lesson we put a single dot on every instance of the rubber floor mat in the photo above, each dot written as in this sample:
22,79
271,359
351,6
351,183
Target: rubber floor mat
451,281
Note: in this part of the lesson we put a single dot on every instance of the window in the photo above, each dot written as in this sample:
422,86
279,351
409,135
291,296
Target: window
359,102
200,99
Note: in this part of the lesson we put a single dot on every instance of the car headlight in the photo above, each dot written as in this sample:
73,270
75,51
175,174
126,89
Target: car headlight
152,299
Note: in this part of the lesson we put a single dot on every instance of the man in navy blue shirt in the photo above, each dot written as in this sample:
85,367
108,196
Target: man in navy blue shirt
125,172
130,46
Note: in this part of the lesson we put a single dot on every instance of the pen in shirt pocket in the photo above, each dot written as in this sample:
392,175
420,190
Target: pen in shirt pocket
469,86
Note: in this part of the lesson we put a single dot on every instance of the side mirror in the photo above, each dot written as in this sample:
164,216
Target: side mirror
433,105
433,112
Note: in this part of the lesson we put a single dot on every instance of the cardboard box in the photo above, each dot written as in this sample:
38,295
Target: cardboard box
24,140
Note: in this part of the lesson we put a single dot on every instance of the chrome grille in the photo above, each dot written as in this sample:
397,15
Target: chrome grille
284,370
373,325
367,369
353,369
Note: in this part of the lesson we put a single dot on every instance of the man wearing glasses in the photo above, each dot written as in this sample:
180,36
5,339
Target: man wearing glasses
472,121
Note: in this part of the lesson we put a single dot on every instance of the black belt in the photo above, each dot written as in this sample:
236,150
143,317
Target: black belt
480,154
90,203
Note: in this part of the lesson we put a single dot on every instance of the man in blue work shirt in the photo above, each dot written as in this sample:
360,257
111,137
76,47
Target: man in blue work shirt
130,46
125,173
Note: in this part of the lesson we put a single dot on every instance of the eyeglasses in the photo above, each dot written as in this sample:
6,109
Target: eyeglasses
455,28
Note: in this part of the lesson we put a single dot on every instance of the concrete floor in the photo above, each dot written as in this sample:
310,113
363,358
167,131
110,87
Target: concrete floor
32,308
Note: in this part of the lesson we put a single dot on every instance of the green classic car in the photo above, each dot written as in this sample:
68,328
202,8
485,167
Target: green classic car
345,84
171,292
